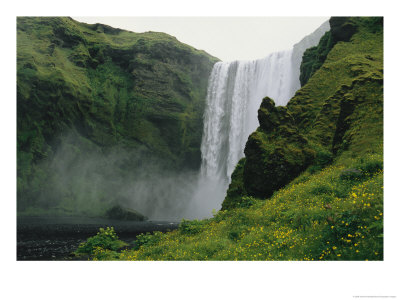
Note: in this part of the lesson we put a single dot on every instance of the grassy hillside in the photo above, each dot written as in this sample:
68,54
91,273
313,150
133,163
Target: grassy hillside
90,93
311,184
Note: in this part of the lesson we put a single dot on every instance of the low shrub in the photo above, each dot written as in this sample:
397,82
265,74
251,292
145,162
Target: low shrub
105,239
352,174
322,159
246,202
321,189
190,227
371,165
364,168
147,239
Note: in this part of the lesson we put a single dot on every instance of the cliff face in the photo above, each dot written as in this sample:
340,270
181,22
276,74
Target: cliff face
336,115
269,166
91,90
301,48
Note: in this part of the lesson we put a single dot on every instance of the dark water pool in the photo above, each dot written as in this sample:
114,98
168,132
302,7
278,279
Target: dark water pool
54,238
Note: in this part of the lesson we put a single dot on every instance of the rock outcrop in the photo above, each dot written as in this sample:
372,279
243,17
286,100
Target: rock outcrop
275,153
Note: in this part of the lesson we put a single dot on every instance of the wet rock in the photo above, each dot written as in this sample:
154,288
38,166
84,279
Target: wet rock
118,212
350,174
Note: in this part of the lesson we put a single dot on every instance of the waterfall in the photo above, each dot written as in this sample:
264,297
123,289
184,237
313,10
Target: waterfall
235,92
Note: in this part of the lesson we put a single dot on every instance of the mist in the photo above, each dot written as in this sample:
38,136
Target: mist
84,179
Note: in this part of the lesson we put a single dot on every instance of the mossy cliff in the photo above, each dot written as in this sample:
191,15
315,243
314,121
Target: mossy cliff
93,90
336,115
269,166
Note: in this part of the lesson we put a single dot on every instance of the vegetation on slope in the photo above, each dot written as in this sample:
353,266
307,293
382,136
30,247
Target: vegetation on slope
342,30
90,93
314,57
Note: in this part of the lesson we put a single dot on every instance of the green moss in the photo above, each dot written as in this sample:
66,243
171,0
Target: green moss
112,87
342,29
236,190
314,57
276,153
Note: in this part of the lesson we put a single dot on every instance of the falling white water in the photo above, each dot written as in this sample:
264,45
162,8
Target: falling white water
235,92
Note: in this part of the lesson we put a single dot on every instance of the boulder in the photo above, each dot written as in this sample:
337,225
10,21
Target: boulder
118,212
351,174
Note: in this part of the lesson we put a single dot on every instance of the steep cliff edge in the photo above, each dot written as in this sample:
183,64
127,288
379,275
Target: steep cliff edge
89,92
336,115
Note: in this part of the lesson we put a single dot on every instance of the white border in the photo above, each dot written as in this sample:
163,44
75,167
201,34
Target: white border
201,280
